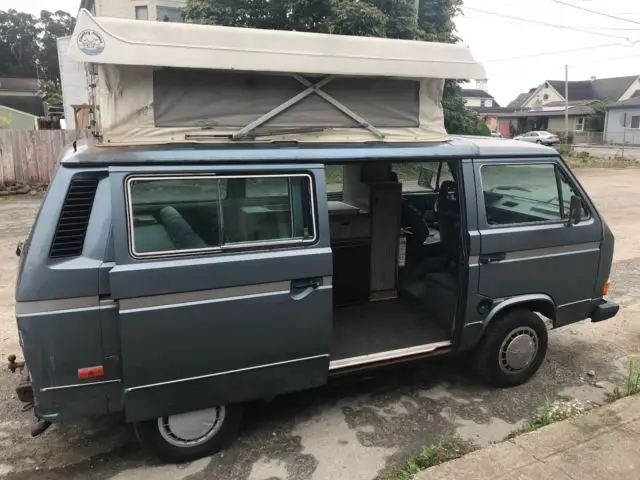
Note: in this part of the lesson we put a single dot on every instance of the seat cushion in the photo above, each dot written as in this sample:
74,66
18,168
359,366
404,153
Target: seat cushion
180,232
152,238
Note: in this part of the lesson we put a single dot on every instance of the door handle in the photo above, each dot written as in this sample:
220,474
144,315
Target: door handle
492,258
306,283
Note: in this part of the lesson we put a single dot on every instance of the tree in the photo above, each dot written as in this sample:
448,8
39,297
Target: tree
376,18
52,26
18,44
595,120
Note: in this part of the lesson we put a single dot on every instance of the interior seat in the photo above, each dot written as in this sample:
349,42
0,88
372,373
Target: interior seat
180,232
448,215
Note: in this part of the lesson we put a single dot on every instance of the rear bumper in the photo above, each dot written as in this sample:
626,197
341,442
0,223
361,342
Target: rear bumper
604,310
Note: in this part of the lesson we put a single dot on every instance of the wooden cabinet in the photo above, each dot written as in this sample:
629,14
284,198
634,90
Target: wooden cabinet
386,211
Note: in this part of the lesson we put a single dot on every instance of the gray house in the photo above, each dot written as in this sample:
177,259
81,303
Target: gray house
622,124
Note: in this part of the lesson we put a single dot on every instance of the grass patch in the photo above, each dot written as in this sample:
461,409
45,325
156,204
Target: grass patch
584,160
550,413
629,383
432,455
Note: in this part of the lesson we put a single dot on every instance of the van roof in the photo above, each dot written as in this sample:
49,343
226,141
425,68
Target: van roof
456,147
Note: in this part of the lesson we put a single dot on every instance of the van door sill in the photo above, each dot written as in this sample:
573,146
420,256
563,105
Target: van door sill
382,357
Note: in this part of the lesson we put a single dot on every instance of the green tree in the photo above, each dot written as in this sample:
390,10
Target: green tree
595,120
376,18
18,44
52,25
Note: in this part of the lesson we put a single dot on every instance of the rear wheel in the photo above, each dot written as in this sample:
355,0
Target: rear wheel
189,436
512,349
539,142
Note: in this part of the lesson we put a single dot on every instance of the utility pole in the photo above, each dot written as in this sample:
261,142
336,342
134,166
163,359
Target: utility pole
566,104
416,12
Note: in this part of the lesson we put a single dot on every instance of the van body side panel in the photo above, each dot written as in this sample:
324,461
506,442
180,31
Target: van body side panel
550,259
220,327
58,311
471,331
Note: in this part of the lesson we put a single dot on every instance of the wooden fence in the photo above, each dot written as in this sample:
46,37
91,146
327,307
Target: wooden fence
31,157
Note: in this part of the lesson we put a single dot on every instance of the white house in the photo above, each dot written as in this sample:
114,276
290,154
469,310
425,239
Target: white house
73,76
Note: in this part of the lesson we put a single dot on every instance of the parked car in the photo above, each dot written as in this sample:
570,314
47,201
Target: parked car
496,134
541,137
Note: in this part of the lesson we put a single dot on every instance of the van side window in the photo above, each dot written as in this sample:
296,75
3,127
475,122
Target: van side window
199,213
523,193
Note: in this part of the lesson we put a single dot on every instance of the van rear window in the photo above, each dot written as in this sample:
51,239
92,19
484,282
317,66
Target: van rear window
193,214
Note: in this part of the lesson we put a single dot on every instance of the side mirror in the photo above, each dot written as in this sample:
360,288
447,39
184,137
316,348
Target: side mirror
575,211
425,177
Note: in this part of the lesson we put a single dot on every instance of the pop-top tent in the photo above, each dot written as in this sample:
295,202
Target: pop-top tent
158,82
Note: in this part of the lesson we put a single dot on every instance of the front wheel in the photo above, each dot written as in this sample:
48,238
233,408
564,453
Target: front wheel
512,349
189,436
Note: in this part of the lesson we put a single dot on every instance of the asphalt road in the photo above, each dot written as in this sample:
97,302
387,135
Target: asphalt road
357,427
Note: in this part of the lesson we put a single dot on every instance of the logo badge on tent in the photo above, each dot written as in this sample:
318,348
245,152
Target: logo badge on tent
91,42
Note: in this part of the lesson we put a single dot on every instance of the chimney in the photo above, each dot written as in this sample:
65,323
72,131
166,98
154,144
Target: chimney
482,84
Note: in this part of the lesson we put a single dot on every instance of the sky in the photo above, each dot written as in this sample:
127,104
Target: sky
519,55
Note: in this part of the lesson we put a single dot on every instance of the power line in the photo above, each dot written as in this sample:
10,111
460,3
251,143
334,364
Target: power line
551,25
556,52
581,27
595,12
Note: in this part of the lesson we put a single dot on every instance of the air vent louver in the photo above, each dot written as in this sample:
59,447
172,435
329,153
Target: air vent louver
74,218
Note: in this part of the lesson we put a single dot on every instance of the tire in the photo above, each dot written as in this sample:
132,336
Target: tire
539,142
161,437
503,357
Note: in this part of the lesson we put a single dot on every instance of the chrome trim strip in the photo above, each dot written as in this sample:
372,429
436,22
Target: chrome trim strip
229,372
142,303
66,305
389,355
79,385
586,300
552,251
28,308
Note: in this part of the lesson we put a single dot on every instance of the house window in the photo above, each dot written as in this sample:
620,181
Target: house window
483,103
169,14
635,122
579,124
204,214
142,12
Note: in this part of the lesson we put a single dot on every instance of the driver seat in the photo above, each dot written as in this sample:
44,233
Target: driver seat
448,216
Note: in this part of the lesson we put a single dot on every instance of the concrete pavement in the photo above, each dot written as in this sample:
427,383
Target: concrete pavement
601,444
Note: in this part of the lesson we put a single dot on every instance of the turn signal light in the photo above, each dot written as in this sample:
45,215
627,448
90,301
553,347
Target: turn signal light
90,372
605,288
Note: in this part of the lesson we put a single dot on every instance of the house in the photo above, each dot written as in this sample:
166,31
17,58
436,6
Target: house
482,102
160,10
75,93
12,119
622,123
20,96
543,107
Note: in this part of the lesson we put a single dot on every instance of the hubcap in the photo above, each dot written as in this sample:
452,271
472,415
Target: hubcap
518,350
193,428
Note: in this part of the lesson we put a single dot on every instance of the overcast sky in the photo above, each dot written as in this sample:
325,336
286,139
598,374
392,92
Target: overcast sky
510,49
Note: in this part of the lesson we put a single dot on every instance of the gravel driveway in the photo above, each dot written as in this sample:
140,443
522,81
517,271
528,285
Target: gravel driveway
358,426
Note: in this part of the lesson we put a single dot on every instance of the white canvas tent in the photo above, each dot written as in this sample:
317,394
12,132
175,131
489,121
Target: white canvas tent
157,82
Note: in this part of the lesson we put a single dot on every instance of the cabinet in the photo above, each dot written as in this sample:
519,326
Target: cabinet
386,211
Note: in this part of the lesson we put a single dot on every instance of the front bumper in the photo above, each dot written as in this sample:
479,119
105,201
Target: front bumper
604,310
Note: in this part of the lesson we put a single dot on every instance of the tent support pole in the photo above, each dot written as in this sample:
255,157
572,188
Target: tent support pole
243,133
348,112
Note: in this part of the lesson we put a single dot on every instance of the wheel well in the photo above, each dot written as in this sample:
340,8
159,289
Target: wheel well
543,307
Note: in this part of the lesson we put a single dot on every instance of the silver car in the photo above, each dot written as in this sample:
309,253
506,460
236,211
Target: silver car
540,137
